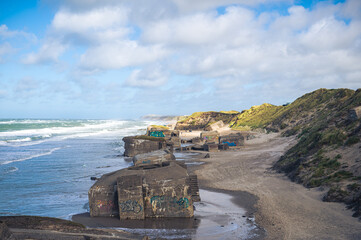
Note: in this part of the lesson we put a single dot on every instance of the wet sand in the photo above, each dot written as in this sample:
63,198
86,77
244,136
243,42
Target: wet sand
217,216
286,210
262,204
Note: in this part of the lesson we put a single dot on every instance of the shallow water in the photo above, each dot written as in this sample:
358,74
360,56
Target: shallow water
46,165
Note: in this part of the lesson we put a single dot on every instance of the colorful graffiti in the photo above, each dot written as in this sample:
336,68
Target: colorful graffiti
231,144
169,202
156,134
130,206
210,138
105,205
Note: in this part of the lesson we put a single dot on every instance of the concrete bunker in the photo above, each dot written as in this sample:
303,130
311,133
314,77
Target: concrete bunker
145,191
143,144
232,140
210,137
171,136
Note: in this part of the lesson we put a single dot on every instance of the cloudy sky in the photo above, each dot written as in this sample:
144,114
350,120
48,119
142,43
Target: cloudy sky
128,58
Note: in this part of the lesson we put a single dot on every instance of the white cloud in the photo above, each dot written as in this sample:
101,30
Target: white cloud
235,51
121,54
6,33
205,28
201,5
95,25
152,76
49,52
27,87
96,19
5,48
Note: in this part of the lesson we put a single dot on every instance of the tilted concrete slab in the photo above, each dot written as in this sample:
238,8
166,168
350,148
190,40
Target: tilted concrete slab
155,157
142,144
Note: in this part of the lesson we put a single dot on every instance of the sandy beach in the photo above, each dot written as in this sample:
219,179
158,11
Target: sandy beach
286,210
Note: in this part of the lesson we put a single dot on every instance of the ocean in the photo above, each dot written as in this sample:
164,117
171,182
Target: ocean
46,165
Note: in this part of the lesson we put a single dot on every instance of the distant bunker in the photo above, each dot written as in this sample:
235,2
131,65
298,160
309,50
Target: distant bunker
160,188
213,142
171,136
232,140
210,136
135,145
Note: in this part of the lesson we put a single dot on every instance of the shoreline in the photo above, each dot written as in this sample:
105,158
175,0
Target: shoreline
220,214
280,208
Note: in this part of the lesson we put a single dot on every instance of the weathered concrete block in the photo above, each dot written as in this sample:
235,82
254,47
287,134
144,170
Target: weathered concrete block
155,157
193,182
211,147
210,137
166,191
197,140
103,200
223,146
130,197
232,140
171,136
5,233
142,144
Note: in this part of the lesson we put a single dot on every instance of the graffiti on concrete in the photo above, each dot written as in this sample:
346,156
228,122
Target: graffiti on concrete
169,202
105,205
156,134
210,138
231,144
130,206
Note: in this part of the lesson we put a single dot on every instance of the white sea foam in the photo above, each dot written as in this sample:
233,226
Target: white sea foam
30,157
28,137
64,130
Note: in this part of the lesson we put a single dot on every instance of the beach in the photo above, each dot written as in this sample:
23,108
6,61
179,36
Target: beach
286,210
242,196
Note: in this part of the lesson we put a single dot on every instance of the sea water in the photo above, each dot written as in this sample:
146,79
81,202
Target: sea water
46,165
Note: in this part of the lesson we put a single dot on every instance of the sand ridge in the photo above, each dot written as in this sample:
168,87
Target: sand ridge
286,210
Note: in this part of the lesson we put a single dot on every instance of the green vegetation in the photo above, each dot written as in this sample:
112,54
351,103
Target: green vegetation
160,127
352,140
321,122
201,120
230,112
256,116
145,137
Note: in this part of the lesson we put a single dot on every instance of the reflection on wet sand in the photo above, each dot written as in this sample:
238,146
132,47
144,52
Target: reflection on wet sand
216,217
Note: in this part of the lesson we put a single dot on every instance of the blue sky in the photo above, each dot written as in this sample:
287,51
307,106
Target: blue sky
125,59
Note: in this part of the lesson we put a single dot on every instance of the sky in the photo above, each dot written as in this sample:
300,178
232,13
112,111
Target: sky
122,59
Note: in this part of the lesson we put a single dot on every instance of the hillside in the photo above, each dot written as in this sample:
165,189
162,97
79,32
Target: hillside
328,150
201,120
328,129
